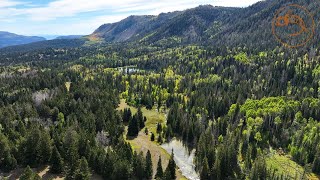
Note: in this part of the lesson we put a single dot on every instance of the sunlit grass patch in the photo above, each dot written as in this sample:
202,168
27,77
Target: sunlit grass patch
284,165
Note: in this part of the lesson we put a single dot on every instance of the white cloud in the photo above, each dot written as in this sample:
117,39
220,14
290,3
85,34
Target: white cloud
81,27
9,3
233,3
83,16
70,8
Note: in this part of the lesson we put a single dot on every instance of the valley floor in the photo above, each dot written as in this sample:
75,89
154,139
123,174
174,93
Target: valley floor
142,141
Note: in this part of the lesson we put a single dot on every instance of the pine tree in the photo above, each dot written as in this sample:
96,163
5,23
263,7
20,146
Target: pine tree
140,118
138,165
149,103
31,146
216,170
72,155
247,161
133,128
259,169
27,174
160,141
159,173
9,162
141,166
167,175
21,128
56,161
316,164
121,170
152,137
82,172
205,172
127,115
148,167
107,167
171,168
44,151
159,128
159,102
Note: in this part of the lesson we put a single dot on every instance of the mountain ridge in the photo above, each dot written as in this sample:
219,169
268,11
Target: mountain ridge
11,39
205,24
208,25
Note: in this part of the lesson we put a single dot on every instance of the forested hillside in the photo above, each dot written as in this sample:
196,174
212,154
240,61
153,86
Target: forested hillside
249,108
206,25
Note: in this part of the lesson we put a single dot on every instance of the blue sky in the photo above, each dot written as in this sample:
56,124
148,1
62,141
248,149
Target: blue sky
65,17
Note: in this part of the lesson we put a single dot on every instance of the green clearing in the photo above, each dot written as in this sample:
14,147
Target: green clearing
153,116
284,165
142,141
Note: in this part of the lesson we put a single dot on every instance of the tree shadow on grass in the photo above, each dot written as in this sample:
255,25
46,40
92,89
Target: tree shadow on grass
131,137
45,174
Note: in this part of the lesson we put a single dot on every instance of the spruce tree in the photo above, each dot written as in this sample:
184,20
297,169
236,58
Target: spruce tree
167,175
44,152
159,173
259,169
82,172
148,167
9,162
56,161
205,172
216,171
141,166
247,161
72,155
28,174
171,168
108,167
138,165
133,128
316,164
152,137
127,115
159,128
160,141
140,118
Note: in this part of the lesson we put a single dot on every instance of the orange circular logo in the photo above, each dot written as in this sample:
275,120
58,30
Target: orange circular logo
293,26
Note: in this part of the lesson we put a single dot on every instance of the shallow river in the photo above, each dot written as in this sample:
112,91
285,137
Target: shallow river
183,159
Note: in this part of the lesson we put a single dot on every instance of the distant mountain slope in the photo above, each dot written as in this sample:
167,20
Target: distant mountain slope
250,26
11,39
132,28
191,25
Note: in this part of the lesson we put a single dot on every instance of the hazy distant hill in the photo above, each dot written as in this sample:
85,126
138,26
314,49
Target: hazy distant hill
56,44
11,39
69,37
